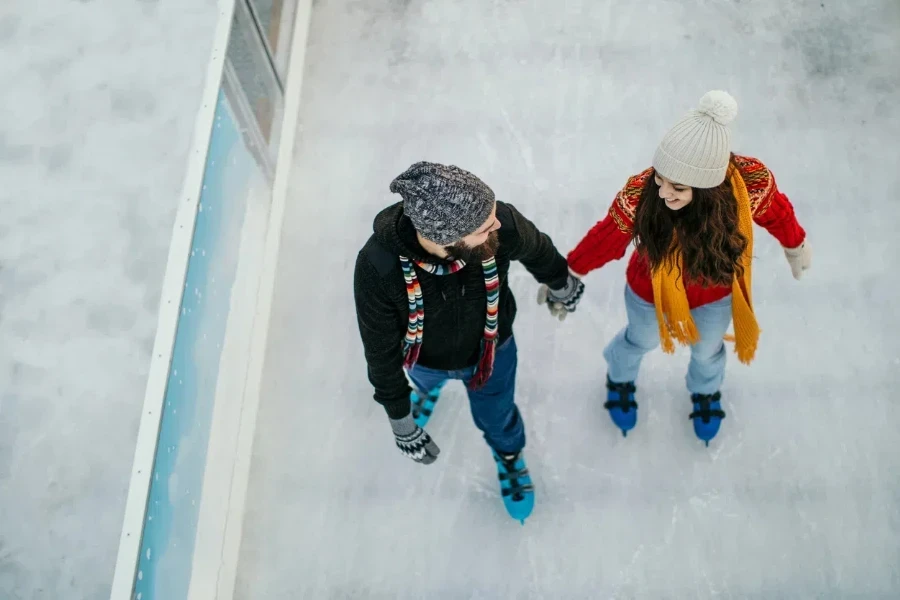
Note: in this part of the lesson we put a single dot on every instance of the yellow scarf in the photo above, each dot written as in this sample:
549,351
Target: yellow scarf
672,309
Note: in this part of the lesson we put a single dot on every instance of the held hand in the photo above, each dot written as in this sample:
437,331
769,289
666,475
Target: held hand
800,258
413,441
562,302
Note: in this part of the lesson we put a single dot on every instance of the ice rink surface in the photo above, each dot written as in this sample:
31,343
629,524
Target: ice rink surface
554,104
98,107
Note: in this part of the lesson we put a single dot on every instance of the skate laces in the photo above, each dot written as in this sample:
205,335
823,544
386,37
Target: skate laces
419,407
625,391
516,488
703,409
423,404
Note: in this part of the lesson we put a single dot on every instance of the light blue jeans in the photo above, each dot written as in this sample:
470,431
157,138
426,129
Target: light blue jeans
707,367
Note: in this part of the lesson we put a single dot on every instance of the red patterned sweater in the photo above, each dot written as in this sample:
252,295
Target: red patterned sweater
609,238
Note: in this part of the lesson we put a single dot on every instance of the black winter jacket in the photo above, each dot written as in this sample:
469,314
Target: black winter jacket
454,304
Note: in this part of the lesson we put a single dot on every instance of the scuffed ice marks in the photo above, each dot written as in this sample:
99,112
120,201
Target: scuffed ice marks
56,158
398,8
111,320
13,153
829,49
391,23
12,573
840,39
9,27
132,103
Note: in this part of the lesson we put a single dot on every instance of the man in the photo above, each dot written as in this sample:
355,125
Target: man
432,297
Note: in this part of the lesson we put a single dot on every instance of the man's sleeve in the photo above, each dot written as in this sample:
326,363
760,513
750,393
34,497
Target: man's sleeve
533,248
382,332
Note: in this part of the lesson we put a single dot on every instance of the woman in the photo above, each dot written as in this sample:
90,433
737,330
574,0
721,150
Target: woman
690,217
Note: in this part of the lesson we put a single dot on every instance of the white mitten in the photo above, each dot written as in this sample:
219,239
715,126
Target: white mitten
800,258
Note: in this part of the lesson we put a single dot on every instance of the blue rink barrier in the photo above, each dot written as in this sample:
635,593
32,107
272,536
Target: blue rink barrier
168,537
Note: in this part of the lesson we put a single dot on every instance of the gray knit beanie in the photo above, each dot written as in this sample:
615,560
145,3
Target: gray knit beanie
444,203
696,151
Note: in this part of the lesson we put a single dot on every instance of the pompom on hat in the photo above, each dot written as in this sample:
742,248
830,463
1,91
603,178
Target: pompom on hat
697,150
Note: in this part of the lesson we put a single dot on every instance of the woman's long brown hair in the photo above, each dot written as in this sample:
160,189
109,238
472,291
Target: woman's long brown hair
707,230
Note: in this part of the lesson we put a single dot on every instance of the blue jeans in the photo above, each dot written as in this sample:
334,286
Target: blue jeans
707,367
493,407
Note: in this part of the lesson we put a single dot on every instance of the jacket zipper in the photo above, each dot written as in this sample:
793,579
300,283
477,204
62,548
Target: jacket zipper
459,308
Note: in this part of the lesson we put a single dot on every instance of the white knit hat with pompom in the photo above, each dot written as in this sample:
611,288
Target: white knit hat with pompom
696,151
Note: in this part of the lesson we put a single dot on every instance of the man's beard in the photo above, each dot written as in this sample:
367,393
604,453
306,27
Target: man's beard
479,253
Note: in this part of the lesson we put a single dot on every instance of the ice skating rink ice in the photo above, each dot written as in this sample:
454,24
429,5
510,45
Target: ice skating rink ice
554,104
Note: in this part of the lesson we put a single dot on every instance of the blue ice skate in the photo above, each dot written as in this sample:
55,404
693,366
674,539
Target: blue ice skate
515,485
621,404
707,415
423,404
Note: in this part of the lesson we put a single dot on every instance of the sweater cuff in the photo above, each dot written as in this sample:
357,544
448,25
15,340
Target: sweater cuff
577,265
560,282
796,248
567,289
397,409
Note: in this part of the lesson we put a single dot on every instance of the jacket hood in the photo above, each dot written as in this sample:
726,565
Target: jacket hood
395,231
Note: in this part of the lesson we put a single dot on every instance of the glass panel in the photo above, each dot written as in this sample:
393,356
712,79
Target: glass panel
276,20
251,67
213,287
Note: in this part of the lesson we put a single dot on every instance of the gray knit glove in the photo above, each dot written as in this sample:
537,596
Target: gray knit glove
562,302
414,441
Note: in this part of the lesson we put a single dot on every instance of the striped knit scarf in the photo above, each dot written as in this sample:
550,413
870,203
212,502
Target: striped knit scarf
413,342
672,309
